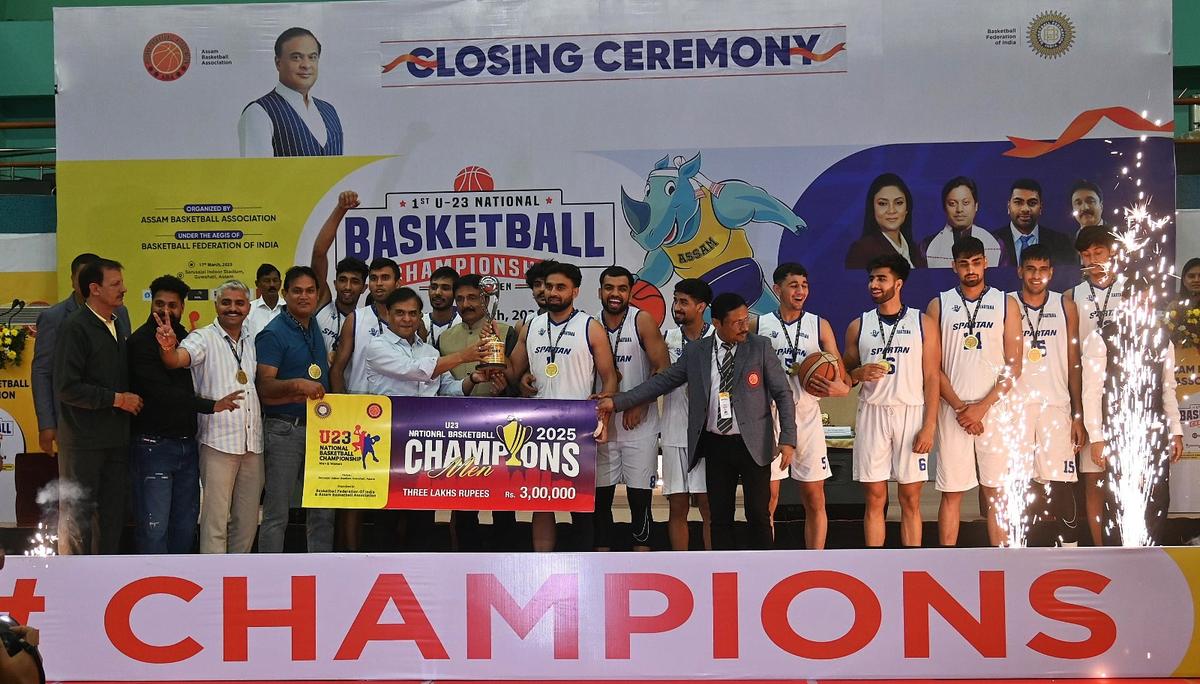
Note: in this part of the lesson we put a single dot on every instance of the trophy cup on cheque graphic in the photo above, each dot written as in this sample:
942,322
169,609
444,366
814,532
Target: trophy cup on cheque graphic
495,357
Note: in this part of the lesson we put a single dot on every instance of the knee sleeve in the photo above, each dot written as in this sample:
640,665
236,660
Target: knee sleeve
640,516
603,520
583,528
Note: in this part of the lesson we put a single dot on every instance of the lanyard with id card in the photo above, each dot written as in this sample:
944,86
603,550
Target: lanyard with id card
724,399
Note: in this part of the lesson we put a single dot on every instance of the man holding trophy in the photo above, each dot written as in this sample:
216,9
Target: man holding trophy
477,299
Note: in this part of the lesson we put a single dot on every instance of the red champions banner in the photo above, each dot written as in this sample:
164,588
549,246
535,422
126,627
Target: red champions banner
368,451
982,613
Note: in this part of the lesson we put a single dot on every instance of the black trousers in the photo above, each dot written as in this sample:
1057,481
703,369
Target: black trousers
471,535
726,460
102,476
1156,509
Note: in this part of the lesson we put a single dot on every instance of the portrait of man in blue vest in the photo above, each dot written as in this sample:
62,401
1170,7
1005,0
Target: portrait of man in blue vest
288,121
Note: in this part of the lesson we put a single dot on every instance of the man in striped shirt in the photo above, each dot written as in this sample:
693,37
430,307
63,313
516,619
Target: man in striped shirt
223,360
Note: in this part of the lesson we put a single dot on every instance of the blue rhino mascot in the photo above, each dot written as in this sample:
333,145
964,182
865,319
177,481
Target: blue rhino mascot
693,228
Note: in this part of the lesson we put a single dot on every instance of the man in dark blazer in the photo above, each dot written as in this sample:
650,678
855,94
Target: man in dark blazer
1024,229
42,369
91,382
732,378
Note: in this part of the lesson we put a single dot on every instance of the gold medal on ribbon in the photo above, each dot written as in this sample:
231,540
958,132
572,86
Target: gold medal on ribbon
314,371
793,369
551,369
885,365
242,378
1035,355
971,342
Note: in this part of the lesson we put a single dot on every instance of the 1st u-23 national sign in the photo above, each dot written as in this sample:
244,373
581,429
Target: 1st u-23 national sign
368,451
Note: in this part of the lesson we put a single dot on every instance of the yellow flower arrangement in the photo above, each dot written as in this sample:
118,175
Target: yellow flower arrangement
12,343
1183,322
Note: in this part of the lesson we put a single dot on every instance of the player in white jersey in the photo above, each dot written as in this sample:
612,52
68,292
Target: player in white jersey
349,284
795,333
893,350
981,355
535,280
1048,390
350,276
442,315
1097,298
565,350
348,372
630,456
691,300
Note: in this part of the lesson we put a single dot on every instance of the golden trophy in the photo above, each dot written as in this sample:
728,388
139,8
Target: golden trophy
495,358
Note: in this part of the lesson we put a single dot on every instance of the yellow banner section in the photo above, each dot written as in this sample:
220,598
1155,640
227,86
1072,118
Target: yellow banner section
1188,559
1187,377
33,287
203,220
349,458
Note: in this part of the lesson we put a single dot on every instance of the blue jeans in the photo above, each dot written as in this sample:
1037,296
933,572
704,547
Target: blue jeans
284,456
166,493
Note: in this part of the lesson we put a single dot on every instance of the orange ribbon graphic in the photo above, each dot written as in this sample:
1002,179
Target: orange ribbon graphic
819,56
409,57
1025,148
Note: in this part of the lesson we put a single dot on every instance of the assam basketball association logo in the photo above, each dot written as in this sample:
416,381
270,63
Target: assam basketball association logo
166,57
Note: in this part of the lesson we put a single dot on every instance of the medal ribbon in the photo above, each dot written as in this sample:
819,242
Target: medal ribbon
895,327
683,336
792,351
1102,309
554,344
971,315
617,341
236,355
306,333
1034,330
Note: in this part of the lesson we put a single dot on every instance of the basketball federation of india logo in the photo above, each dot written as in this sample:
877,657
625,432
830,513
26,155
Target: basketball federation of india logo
474,179
1051,34
166,57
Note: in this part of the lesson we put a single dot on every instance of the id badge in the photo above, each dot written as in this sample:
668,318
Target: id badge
724,405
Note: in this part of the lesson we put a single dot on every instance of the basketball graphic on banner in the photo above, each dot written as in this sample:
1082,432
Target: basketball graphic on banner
474,179
166,56
647,298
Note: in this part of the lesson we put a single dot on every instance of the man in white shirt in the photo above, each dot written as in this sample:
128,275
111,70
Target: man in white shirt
960,200
268,305
1114,362
400,363
288,122
223,360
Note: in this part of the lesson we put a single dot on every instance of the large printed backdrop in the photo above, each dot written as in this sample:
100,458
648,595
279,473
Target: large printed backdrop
485,138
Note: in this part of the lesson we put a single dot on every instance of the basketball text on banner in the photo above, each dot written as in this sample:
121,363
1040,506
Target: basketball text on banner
367,451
